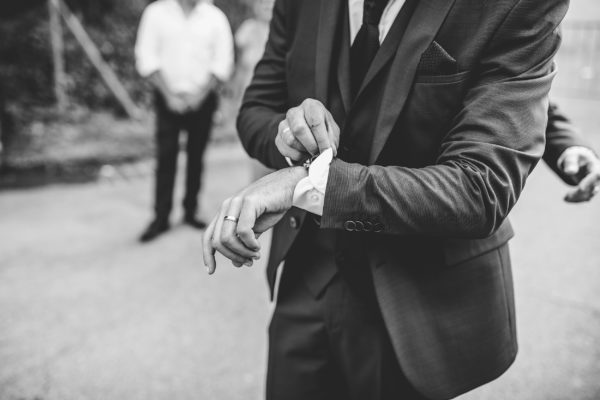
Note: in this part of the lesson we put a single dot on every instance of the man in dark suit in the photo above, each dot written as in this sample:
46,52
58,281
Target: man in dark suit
427,117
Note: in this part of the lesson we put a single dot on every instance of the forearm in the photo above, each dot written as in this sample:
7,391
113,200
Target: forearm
459,198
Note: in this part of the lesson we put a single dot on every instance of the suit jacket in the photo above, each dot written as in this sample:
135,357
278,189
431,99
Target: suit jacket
560,135
460,126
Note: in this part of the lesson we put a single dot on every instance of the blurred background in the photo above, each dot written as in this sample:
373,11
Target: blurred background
86,312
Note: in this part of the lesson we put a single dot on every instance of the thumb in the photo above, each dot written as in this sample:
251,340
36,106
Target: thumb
571,164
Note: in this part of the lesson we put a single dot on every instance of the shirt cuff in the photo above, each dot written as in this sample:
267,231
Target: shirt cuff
561,159
309,193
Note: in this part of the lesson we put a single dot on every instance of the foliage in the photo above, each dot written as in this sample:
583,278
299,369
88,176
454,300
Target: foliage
25,55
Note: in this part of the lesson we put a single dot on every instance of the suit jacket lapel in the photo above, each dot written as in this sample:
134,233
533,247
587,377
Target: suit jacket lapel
343,71
329,15
389,47
421,31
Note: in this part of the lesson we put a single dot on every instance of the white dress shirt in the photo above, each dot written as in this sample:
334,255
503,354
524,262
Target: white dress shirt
309,194
186,49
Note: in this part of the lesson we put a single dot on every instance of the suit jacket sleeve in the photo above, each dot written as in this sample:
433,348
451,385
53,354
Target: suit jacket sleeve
265,100
560,135
495,142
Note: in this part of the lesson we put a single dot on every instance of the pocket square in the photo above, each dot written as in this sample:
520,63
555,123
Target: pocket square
436,61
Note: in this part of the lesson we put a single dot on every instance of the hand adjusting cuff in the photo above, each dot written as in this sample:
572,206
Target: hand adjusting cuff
306,164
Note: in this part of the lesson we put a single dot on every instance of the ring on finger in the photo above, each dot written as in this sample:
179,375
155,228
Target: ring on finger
231,218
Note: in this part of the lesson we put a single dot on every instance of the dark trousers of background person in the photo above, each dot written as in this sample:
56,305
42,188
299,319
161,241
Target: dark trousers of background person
197,124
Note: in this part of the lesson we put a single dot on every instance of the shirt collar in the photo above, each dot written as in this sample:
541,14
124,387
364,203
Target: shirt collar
198,5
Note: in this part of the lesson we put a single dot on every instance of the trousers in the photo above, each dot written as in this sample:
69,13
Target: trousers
197,125
334,346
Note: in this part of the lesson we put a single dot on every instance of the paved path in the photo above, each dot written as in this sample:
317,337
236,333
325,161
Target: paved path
88,313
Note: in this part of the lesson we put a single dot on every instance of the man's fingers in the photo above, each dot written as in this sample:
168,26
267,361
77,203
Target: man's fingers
578,195
587,188
301,131
314,115
245,225
571,164
218,245
229,237
208,250
288,151
288,138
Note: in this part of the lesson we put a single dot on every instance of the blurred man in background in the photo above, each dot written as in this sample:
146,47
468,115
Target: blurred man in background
185,49
570,157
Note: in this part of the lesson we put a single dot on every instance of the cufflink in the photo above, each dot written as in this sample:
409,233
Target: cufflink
307,163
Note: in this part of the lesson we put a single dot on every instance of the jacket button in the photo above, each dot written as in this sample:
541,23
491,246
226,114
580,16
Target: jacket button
350,226
294,222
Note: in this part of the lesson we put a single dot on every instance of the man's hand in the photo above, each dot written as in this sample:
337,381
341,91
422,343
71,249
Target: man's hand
244,217
194,101
582,164
176,103
307,130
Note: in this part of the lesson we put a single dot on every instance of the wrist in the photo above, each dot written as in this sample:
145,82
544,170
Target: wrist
293,176
309,193
297,174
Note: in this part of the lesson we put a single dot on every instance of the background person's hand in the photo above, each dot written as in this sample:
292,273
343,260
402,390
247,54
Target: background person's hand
176,103
307,130
582,164
193,101
254,210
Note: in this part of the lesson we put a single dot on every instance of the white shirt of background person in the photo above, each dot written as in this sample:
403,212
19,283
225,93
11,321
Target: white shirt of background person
187,49
309,194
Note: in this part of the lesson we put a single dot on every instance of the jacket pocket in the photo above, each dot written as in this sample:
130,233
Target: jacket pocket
425,78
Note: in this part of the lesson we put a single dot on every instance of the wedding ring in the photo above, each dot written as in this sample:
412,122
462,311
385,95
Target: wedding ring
230,218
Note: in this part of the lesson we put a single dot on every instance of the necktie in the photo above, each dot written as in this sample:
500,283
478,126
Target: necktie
366,43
